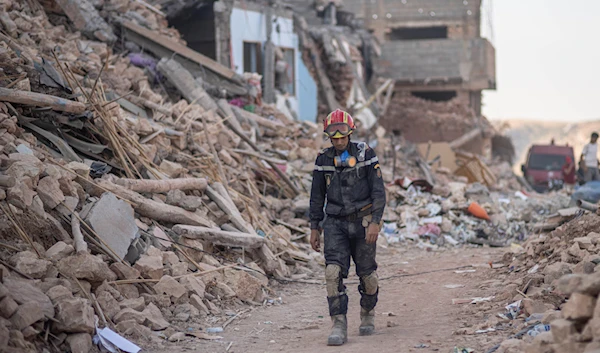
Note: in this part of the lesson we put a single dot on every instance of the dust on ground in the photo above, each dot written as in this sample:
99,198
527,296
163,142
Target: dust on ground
421,309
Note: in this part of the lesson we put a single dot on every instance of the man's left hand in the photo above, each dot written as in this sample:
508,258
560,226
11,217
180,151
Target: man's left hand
372,233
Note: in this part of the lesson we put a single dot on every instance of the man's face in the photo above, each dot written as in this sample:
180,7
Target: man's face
340,144
594,139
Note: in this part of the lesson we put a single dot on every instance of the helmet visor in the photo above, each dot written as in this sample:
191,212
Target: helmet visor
338,130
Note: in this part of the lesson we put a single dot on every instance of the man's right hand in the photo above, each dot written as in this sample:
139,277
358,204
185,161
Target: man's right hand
315,239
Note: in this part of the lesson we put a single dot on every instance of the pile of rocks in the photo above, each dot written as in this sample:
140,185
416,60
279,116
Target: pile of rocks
64,305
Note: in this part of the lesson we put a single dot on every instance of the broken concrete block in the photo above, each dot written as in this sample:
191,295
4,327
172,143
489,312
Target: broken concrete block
150,266
86,266
79,342
154,318
196,301
59,250
579,307
23,291
28,263
193,248
3,290
49,191
8,307
555,271
584,242
169,286
20,195
194,285
80,169
585,267
170,258
172,169
128,291
135,304
129,314
246,287
113,220
59,293
123,271
26,315
37,207
75,315
160,300
4,336
183,312
531,306
86,19
109,304
224,291
24,165
594,326
212,307
179,269
562,330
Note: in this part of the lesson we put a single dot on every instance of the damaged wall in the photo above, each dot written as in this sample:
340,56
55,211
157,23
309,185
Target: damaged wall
249,26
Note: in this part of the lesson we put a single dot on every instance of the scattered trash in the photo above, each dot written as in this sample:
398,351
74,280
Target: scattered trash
533,269
491,329
454,286
113,342
388,314
204,336
465,271
421,345
538,329
391,324
476,210
214,330
463,350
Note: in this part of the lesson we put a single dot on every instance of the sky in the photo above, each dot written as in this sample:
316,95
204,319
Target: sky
547,59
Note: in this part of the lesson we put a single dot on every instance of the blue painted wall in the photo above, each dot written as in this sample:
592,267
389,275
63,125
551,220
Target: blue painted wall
250,26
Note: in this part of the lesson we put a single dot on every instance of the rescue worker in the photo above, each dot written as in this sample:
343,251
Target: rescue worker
347,178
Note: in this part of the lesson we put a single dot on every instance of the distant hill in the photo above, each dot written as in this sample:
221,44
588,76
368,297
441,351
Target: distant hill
524,133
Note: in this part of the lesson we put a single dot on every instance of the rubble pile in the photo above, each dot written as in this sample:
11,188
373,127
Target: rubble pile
422,120
441,215
547,288
158,216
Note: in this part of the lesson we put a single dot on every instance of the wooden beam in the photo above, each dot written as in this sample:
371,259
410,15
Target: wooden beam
182,50
41,100
471,135
220,237
315,56
359,80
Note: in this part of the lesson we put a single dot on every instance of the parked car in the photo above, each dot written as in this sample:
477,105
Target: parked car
542,168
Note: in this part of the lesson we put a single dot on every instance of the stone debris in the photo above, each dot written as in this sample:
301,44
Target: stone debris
105,146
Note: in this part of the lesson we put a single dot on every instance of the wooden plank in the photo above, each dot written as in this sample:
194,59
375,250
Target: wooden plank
325,84
359,80
41,100
182,50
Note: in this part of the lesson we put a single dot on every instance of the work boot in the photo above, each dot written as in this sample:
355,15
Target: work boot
367,322
339,333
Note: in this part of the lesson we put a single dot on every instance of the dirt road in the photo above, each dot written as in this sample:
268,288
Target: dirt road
422,319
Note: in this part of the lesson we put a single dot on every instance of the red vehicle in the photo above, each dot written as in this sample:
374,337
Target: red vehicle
543,166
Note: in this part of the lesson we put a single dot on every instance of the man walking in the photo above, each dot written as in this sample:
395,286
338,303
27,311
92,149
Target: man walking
589,155
347,176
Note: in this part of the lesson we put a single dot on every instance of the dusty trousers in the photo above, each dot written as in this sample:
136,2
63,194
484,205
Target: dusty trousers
344,240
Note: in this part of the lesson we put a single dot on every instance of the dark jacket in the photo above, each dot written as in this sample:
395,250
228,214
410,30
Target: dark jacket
347,190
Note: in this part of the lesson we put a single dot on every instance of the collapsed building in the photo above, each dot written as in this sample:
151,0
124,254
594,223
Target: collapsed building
434,52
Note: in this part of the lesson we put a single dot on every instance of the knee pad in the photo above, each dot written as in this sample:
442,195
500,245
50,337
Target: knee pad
333,280
370,283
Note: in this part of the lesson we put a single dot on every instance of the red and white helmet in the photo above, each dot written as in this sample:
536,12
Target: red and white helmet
338,124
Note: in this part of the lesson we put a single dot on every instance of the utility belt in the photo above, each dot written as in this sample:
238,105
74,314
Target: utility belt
363,212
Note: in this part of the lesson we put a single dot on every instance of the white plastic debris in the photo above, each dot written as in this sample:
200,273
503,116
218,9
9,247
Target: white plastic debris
111,341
